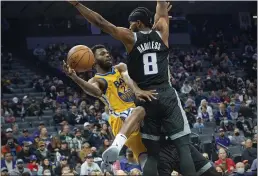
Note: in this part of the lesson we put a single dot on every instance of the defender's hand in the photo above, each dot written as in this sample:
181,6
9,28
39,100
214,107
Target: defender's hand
144,95
68,71
169,8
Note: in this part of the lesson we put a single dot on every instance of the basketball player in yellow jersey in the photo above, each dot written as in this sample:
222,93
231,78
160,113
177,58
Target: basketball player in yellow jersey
115,88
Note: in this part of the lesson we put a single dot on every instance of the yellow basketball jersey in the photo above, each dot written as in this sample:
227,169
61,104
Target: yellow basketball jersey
117,95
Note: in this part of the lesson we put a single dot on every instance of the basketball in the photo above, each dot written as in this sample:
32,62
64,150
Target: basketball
80,58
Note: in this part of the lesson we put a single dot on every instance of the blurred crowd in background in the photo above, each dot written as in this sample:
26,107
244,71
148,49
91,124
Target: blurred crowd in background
50,127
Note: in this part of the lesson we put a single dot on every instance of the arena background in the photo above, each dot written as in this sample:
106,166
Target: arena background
213,56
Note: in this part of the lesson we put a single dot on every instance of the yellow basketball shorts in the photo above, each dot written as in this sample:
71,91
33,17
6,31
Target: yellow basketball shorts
134,142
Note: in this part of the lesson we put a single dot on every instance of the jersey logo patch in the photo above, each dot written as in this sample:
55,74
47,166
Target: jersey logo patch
123,91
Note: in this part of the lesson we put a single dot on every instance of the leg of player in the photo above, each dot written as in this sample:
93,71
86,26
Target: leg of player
130,124
186,161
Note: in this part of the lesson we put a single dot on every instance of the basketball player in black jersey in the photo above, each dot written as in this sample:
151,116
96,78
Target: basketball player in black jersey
148,67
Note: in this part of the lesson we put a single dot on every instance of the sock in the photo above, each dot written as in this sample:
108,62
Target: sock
120,141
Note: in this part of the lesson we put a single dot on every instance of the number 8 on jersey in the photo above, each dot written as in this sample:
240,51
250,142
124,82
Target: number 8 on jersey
150,63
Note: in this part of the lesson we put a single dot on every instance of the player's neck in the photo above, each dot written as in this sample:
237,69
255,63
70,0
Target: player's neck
145,29
103,71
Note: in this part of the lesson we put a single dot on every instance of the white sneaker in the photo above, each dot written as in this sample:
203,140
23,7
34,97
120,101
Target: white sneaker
111,154
105,166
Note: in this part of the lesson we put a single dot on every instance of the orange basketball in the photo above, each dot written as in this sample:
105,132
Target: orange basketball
80,58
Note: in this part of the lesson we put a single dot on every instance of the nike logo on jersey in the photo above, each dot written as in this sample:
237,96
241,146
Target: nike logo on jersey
148,46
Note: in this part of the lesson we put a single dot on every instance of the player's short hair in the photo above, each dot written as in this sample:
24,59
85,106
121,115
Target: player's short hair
143,14
95,47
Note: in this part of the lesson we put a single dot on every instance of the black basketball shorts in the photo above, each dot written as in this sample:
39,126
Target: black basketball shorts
167,113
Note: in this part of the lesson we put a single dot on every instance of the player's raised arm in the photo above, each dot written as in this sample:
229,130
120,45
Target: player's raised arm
162,24
160,14
93,87
140,94
119,33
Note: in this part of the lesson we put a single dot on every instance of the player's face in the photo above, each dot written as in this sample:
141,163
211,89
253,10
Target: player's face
103,58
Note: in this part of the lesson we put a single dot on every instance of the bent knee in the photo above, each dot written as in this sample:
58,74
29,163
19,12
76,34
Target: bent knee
140,111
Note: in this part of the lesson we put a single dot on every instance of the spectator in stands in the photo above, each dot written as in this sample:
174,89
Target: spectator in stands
86,131
16,131
61,98
45,165
249,153
83,108
222,140
186,88
129,163
232,111
85,151
237,138
199,97
25,153
204,108
42,151
240,169
105,145
224,96
59,117
52,94
12,147
89,165
105,133
63,163
7,113
8,135
8,162
33,165
199,123
78,140
67,136
227,164
204,114
214,99
19,169
96,139
210,85
25,137
225,64
91,115
75,117
191,111
64,149
43,136
244,125
223,119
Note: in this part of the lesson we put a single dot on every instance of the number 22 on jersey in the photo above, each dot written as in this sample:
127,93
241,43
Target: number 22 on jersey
150,64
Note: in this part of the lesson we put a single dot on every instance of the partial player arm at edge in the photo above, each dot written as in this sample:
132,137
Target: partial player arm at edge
122,68
119,33
162,11
92,87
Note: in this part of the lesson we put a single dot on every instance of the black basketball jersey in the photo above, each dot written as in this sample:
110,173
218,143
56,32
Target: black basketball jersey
148,61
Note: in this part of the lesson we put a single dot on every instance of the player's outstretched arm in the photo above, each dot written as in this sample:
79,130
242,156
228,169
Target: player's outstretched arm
93,87
119,33
160,13
162,25
140,94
